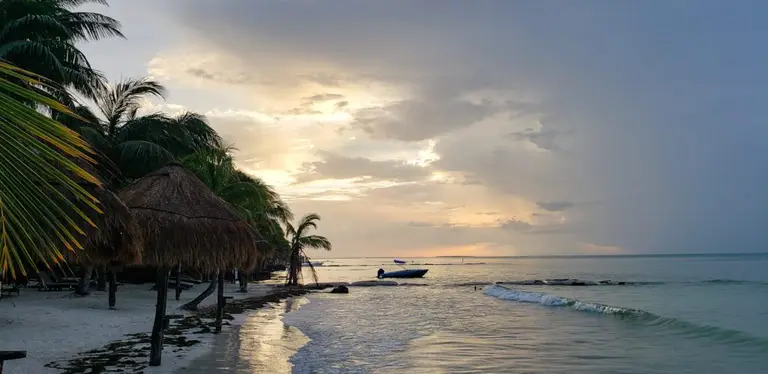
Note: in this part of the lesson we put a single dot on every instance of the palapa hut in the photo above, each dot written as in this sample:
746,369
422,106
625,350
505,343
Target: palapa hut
185,223
116,238
114,241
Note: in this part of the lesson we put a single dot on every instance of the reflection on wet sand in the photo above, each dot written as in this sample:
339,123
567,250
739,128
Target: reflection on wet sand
262,344
267,343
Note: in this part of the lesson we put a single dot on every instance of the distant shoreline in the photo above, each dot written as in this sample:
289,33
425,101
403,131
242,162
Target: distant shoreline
638,255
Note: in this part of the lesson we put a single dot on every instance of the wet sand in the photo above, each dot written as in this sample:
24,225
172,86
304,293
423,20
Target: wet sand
259,343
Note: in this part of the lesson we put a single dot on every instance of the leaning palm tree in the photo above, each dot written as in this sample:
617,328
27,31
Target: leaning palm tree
41,36
300,240
36,153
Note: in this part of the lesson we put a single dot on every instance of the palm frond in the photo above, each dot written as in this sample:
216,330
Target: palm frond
290,231
42,24
126,97
312,269
92,26
36,218
139,157
214,166
315,242
76,3
32,50
199,134
306,223
279,210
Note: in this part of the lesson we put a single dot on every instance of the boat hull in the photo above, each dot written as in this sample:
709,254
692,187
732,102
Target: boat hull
414,273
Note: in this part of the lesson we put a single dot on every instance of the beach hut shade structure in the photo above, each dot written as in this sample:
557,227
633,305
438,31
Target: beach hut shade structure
184,223
115,239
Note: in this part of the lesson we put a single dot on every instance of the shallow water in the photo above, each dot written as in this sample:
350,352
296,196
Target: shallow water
262,344
694,314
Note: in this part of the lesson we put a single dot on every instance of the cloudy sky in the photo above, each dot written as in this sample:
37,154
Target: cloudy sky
452,127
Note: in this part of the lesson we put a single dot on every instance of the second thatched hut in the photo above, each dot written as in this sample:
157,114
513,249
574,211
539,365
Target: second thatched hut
184,223
112,240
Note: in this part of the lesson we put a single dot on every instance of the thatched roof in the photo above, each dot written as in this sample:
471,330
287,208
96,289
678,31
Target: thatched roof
116,239
184,222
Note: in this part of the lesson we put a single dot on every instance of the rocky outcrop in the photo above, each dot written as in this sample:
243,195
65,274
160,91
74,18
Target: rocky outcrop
340,289
373,283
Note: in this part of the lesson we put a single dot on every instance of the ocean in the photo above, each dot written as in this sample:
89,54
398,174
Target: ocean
650,314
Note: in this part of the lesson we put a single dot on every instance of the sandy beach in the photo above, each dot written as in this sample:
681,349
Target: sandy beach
56,328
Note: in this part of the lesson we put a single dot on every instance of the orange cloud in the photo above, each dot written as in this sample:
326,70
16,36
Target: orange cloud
477,250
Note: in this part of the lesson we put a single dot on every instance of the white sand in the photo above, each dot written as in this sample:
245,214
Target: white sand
53,326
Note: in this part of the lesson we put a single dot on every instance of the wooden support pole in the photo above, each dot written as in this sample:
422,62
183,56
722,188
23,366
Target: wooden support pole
156,343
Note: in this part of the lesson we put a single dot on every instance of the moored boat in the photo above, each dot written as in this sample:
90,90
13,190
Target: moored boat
407,273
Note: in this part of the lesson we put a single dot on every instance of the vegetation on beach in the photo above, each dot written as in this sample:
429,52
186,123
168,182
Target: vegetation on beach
83,152
302,240
88,178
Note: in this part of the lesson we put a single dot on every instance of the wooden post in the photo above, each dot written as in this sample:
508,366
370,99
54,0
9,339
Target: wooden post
156,349
178,281
112,288
220,302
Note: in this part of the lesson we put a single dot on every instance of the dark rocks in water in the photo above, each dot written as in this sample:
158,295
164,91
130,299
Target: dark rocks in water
373,283
322,286
340,289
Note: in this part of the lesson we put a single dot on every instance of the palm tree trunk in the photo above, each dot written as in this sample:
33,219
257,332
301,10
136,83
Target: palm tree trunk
83,287
178,282
112,288
192,305
156,342
101,274
293,278
220,302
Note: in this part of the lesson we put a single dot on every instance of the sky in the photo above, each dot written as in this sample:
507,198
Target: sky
478,128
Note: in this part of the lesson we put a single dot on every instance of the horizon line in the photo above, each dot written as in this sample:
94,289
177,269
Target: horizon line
559,256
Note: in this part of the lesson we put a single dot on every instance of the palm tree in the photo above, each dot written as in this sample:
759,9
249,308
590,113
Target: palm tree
130,145
300,241
256,201
41,36
37,152
134,144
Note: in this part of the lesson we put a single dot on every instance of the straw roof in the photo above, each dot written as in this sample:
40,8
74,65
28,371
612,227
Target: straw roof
116,239
184,222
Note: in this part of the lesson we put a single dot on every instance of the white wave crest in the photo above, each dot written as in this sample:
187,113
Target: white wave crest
505,293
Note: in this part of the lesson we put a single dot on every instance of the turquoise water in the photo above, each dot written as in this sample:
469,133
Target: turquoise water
691,314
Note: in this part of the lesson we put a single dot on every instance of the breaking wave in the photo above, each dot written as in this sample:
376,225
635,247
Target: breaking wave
608,282
672,325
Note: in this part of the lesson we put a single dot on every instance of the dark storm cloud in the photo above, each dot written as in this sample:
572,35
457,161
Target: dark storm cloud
418,119
665,99
334,166
555,206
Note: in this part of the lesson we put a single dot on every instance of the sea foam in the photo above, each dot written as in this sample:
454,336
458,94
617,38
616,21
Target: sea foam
506,293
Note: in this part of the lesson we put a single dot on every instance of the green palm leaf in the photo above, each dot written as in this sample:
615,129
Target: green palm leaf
41,36
35,154
136,158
